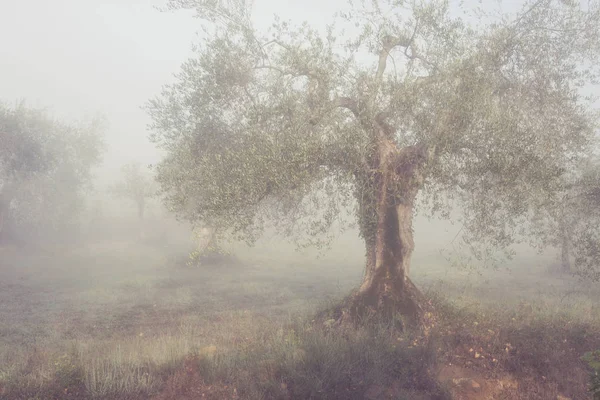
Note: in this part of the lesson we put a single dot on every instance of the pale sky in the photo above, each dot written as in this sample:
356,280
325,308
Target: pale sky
79,58
82,57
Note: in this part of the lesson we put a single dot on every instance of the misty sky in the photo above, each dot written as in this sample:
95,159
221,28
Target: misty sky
83,57
79,58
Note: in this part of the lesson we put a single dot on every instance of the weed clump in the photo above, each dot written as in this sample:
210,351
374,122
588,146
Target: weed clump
304,360
592,359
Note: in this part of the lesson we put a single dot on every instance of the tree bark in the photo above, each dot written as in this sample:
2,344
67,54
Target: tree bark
386,290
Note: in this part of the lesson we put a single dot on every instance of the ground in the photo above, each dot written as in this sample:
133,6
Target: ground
128,320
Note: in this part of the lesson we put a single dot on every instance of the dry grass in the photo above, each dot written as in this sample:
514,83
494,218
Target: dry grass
301,361
115,320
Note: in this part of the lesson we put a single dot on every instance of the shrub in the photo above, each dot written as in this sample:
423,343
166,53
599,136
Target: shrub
592,358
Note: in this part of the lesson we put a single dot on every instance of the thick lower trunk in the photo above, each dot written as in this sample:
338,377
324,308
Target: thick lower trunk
386,290
385,283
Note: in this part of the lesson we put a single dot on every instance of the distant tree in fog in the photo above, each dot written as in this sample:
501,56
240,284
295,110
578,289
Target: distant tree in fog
570,219
136,184
45,167
291,126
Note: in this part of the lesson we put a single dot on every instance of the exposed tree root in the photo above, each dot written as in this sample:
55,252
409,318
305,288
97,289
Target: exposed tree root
408,309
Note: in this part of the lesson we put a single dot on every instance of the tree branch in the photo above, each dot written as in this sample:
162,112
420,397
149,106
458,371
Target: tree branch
389,43
387,129
294,74
273,68
277,42
348,103
412,37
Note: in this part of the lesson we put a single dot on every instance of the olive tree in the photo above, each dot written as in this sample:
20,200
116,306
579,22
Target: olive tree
45,168
397,99
570,220
135,185
585,232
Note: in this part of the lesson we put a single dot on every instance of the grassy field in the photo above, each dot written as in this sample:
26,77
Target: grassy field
127,320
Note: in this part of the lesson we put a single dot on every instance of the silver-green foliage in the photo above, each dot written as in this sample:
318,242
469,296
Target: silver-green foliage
45,167
570,219
277,125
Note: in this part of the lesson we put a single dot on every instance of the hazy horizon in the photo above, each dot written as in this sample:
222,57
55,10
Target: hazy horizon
80,59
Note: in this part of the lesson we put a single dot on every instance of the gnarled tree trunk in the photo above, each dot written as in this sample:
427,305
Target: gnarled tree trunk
386,222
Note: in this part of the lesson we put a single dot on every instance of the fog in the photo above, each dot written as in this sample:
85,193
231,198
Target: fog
124,288
82,59
109,57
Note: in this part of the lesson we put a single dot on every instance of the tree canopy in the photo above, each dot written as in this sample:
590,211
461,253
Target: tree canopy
570,219
45,166
294,124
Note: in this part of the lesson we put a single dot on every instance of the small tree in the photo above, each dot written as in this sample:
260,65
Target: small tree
585,232
136,185
569,220
579,223
290,125
45,168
